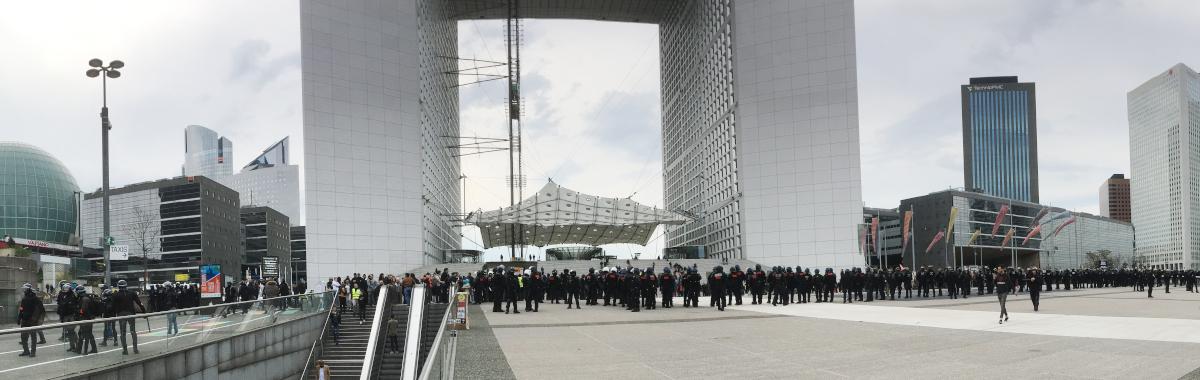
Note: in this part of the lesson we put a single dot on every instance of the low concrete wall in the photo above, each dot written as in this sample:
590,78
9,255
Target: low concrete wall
14,272
272,352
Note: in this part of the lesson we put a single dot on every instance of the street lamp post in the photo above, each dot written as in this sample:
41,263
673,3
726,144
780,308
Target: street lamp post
109,71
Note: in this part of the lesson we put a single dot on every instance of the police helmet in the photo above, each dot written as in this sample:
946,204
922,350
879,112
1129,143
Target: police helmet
27,286
167,284
80,290
667,270
122,284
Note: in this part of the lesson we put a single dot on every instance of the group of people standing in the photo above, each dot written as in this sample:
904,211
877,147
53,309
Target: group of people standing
632,288
264,289
75,303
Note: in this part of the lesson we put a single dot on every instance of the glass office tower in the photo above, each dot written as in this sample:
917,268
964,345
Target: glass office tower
1164,155
1000,138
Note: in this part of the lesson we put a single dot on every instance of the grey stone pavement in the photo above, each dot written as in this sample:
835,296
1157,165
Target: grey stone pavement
480,355
607,342
53,361
1106,302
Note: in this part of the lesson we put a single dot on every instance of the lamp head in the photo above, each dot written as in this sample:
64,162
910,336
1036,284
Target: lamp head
116,64
95,62
92,73
114,74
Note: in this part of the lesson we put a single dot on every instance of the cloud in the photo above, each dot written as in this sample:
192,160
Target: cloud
1083,55
252,66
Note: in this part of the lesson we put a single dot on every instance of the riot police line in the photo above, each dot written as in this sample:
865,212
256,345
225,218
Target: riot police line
636,289
117,311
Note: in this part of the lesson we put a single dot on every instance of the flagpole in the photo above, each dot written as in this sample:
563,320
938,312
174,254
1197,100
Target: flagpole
1011,224
878,247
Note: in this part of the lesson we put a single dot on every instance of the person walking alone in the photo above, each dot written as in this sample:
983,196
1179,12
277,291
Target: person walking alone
1002,287
323,371
30,314
127,304
1035,286
393,335
356,296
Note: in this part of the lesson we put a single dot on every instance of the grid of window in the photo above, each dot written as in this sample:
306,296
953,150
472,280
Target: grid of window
277,187
186,223
699,140
1164,141
1002,162
206,153
438,39
37,195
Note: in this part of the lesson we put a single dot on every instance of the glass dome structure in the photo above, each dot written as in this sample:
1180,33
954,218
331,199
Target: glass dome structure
37,195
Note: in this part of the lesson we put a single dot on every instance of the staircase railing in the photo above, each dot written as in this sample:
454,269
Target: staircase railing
412,339
371,360
443,349
318,346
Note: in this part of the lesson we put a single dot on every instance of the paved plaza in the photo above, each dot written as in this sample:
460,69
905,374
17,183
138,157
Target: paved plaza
1111,333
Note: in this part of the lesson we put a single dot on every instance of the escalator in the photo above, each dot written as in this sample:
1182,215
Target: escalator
426,319
432,322
391,366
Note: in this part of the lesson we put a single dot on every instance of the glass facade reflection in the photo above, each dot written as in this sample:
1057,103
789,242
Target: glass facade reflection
1164,153
37,195
1069,248
1000,138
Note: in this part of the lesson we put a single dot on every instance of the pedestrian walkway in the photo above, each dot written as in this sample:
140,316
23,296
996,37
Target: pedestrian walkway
54,361
918,339
1082,326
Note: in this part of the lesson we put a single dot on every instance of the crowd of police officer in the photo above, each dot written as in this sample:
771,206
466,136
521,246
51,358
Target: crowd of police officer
75,303
637,289
632,288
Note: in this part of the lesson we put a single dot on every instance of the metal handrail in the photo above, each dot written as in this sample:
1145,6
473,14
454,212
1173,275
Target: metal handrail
147,315
437,341
312,352
412,339
381,305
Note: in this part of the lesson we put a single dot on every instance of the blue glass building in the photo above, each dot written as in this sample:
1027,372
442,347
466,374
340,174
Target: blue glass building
1000,138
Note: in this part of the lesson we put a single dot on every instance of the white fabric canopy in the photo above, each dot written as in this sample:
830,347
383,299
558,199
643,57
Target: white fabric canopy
558,215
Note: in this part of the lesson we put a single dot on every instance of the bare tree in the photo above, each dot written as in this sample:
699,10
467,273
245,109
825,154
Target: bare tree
144,232
1102,255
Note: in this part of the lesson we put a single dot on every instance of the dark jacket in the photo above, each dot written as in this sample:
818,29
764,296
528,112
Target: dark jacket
124,303
31,311
1003,282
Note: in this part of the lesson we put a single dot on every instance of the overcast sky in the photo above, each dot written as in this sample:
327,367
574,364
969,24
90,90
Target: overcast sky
592,89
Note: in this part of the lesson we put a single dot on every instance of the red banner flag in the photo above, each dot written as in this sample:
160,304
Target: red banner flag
904,231
1064,225
1039,216
1032,232
936,239
862,238
999,218
1008,236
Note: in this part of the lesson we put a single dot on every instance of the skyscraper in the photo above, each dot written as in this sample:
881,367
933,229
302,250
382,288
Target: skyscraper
206,153
267,181
1114,198
1164,115
1000,138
